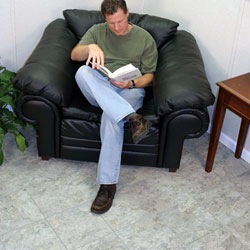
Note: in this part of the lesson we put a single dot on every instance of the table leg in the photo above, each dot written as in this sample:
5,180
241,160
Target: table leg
241,137
219,115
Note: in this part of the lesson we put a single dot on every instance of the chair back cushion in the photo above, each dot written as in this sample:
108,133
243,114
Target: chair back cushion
161,29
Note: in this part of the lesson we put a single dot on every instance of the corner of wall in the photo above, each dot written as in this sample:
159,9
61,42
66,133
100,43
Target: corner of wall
13,34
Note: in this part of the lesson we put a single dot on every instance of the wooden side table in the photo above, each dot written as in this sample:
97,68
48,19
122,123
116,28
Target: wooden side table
234,94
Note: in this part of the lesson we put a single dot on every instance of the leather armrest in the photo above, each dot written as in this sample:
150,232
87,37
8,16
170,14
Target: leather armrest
49,72
180,78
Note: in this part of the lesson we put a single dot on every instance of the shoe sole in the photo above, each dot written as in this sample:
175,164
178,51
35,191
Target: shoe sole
101,211
144,134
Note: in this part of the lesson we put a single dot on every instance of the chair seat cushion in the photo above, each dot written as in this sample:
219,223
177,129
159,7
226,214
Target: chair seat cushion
81,109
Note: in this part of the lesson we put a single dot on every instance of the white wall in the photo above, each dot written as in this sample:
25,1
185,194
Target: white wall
221,29
23,21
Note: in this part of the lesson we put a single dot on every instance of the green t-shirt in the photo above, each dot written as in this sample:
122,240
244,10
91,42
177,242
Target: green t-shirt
137,47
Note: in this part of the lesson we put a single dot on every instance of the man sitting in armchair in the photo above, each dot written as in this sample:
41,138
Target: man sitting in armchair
115,43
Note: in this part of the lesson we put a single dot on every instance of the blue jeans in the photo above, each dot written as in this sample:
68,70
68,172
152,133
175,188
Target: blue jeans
116,104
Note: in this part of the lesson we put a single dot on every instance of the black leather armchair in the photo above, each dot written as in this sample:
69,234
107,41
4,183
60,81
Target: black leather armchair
68,126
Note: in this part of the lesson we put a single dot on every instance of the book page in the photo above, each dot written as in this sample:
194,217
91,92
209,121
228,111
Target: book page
106,71
123,70
130,75
103,69
125,73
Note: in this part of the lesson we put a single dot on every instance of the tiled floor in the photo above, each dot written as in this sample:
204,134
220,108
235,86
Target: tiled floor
45,204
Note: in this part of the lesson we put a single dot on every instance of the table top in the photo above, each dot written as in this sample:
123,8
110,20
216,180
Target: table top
238,86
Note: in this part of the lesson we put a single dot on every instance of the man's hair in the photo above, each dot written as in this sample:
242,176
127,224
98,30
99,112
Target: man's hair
110,7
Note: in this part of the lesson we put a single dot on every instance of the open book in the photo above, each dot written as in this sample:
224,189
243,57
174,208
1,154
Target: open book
123,74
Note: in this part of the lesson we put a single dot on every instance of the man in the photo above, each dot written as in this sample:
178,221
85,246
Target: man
115,43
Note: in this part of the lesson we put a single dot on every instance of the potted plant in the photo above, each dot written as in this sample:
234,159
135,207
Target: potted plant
9,122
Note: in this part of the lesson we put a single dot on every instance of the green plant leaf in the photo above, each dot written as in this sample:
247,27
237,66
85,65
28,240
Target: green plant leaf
12,129
1,156
9,122
5,89
11,117
9,114
3,129
21,142
21,123
1,137
8,99
6,75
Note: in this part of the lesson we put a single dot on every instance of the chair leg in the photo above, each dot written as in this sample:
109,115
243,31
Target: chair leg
172,170
45,158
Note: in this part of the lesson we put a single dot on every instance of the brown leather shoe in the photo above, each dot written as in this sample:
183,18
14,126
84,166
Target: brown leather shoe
140,128
104,199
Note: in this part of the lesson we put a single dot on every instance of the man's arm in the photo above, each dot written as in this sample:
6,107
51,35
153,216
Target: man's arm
88,52
140,82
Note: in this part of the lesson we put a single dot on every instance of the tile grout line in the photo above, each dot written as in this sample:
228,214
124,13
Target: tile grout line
114,232
180,240
56,234
229,229
182,174
25,225
58,213
33,222
45,219
202,237
19,228
224,226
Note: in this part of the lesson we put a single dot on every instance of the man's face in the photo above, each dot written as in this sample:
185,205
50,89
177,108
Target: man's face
118,22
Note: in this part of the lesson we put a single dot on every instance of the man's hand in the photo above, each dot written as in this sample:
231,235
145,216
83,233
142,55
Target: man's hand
96,55
140,82
122,85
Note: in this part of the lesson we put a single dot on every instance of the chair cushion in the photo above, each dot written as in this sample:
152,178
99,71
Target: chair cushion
161,29
81,109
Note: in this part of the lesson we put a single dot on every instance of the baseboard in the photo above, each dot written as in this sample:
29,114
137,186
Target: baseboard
231,144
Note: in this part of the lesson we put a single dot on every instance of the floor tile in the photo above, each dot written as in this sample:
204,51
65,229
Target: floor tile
17,210
226,165
190,224
192,177
153,209
75,187
78,227
150,233
109,242
224,203
218,240
241,229
242,184
1,246
37,236
132,174
134,202
11,181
